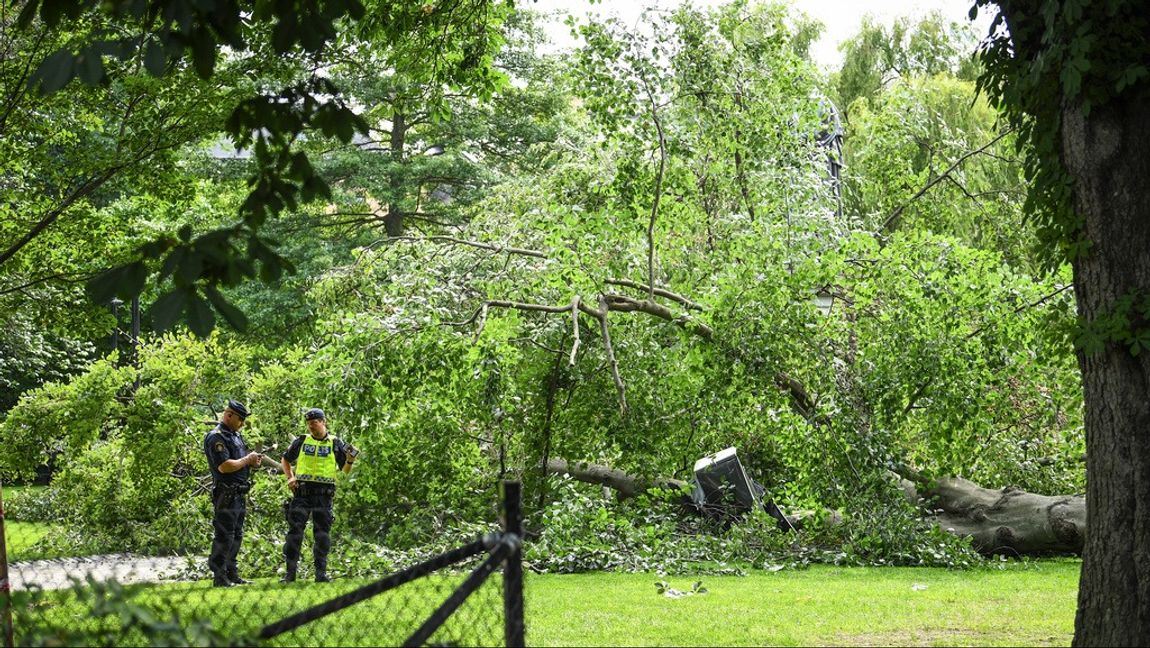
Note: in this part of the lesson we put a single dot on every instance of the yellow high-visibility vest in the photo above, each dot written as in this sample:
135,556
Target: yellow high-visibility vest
317,461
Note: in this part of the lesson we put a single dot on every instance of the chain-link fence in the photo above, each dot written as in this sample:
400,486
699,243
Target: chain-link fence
468,595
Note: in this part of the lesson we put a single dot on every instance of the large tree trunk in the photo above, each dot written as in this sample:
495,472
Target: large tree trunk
1108,154
625,484
1008,521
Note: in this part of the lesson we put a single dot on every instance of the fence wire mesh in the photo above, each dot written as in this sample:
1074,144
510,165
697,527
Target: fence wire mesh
130,599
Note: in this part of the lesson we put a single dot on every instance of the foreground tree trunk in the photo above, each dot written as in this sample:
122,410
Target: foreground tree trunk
1078,83
1109,157
1008,521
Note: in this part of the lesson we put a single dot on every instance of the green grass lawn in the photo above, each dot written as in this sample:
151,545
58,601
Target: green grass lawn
818,606
21,537
1020,605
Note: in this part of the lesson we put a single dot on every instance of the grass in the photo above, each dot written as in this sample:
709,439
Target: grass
20,539
1023,604
819,606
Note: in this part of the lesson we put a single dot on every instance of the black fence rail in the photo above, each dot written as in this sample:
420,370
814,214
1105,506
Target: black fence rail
470,595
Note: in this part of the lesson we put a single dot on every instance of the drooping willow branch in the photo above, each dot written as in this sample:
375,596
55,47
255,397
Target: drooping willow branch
892,221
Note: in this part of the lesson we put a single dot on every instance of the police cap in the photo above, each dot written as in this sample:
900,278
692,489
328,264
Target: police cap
238,408
314,414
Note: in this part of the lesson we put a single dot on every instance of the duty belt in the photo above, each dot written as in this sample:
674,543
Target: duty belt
233,488
316,488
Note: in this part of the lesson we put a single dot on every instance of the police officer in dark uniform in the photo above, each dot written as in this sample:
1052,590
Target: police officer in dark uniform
319,457
230,462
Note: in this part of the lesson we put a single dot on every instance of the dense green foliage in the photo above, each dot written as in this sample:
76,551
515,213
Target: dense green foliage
1064,51
613,260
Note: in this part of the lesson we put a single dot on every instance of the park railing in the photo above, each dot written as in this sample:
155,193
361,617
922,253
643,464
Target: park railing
469,595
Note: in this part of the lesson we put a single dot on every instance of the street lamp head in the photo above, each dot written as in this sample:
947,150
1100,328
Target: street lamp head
824,301
117,302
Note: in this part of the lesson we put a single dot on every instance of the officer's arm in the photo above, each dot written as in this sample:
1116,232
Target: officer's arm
288,457
232,465
214,447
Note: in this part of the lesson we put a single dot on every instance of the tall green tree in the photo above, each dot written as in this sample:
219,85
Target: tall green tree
448,39
878,55
1073,78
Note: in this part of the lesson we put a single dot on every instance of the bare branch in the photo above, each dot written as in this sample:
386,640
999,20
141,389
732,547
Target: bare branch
627,305
59,275
924,385
801,399
78,193
661,292
625,484
622,389
574,328
474,244
543,308
658,190
482,321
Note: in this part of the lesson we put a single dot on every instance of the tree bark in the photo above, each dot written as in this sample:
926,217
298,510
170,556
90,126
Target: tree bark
1010,521
1108,155
393,220
625,484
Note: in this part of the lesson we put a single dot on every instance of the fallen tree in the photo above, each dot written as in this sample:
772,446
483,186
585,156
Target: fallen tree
1008,521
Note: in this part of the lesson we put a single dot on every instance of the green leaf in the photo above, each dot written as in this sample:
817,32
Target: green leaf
54,72
166,310
155,60
27,14
132,280
204,52
201,319
232,315
125,281
90,66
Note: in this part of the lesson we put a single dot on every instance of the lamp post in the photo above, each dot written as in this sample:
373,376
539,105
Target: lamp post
136,341
116,303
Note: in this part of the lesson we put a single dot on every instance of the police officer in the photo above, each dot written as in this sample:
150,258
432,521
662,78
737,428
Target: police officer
318,457
230,462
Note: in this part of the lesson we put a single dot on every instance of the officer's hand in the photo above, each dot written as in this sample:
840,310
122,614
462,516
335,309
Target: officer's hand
292,484
253,458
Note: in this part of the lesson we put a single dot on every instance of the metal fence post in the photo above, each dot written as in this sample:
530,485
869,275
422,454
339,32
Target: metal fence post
513,622
5,587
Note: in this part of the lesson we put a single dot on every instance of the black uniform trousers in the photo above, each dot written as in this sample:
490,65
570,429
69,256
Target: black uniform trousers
315,501
230,508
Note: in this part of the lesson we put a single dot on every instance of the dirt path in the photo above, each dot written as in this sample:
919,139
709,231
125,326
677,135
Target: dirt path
125,568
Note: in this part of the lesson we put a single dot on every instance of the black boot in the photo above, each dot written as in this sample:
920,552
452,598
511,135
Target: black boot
289,575
221,581
321,570
234,577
